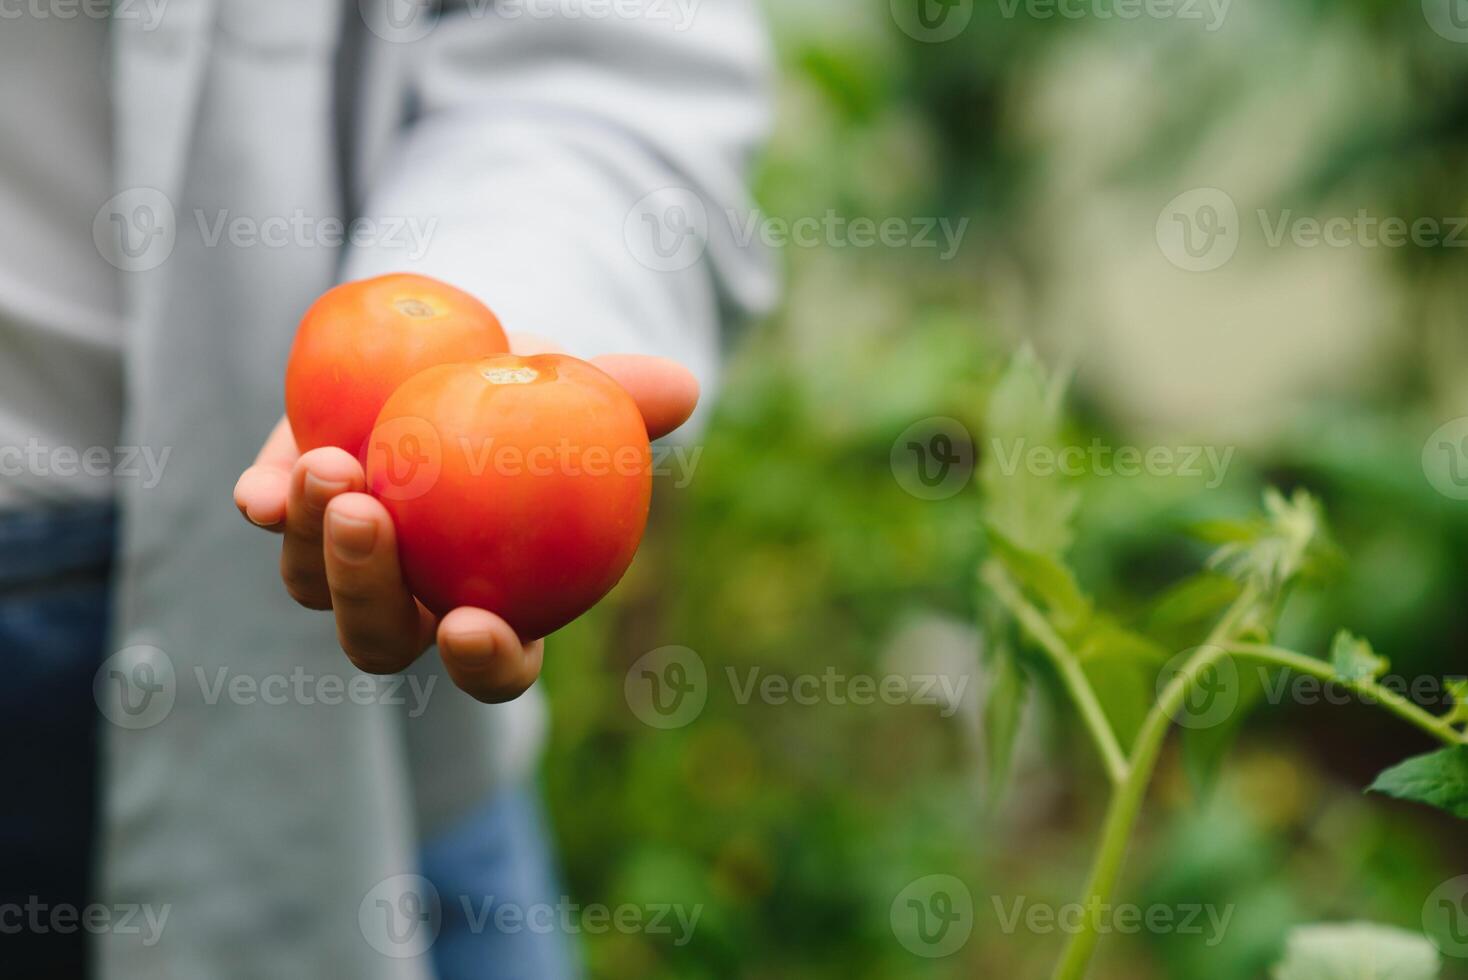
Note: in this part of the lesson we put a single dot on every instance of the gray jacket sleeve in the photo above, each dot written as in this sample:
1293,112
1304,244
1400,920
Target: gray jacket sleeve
584,175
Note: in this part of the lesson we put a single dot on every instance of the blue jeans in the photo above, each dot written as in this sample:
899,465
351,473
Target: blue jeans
54,575
55,578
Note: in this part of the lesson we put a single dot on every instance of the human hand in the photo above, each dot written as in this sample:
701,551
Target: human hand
339,549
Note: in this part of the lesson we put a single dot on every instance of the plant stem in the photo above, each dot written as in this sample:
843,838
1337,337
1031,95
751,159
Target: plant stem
1126,803
1369,689
1071,675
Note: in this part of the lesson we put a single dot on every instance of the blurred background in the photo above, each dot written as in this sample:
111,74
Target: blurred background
1234,223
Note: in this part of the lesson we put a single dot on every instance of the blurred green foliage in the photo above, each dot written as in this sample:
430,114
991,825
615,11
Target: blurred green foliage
794,550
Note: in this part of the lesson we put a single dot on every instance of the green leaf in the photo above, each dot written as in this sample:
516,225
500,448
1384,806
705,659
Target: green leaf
1122,668
1357,951
1438,779
1107,641
1003,711
1224,532
1292,542
1194,600
1354,660
1035,509
1048,579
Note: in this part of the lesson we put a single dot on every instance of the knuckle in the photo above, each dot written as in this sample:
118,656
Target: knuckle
368,651
307,590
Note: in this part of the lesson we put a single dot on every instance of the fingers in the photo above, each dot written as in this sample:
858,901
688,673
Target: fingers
665,391
318,477
485,658
380,625
261,492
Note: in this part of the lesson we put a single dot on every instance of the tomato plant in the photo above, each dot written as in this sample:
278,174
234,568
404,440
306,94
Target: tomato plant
1036,616
361,340
517,484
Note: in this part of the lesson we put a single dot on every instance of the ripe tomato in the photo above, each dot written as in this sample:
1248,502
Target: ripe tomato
361,340
517,484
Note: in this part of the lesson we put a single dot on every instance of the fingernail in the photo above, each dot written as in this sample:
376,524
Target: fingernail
321,491
471,644
351,539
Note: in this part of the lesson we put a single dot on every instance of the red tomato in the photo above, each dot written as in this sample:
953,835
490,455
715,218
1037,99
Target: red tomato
361,340
517,484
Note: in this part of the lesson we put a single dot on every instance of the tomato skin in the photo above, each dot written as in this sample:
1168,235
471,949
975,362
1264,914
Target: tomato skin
520,485
361,340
